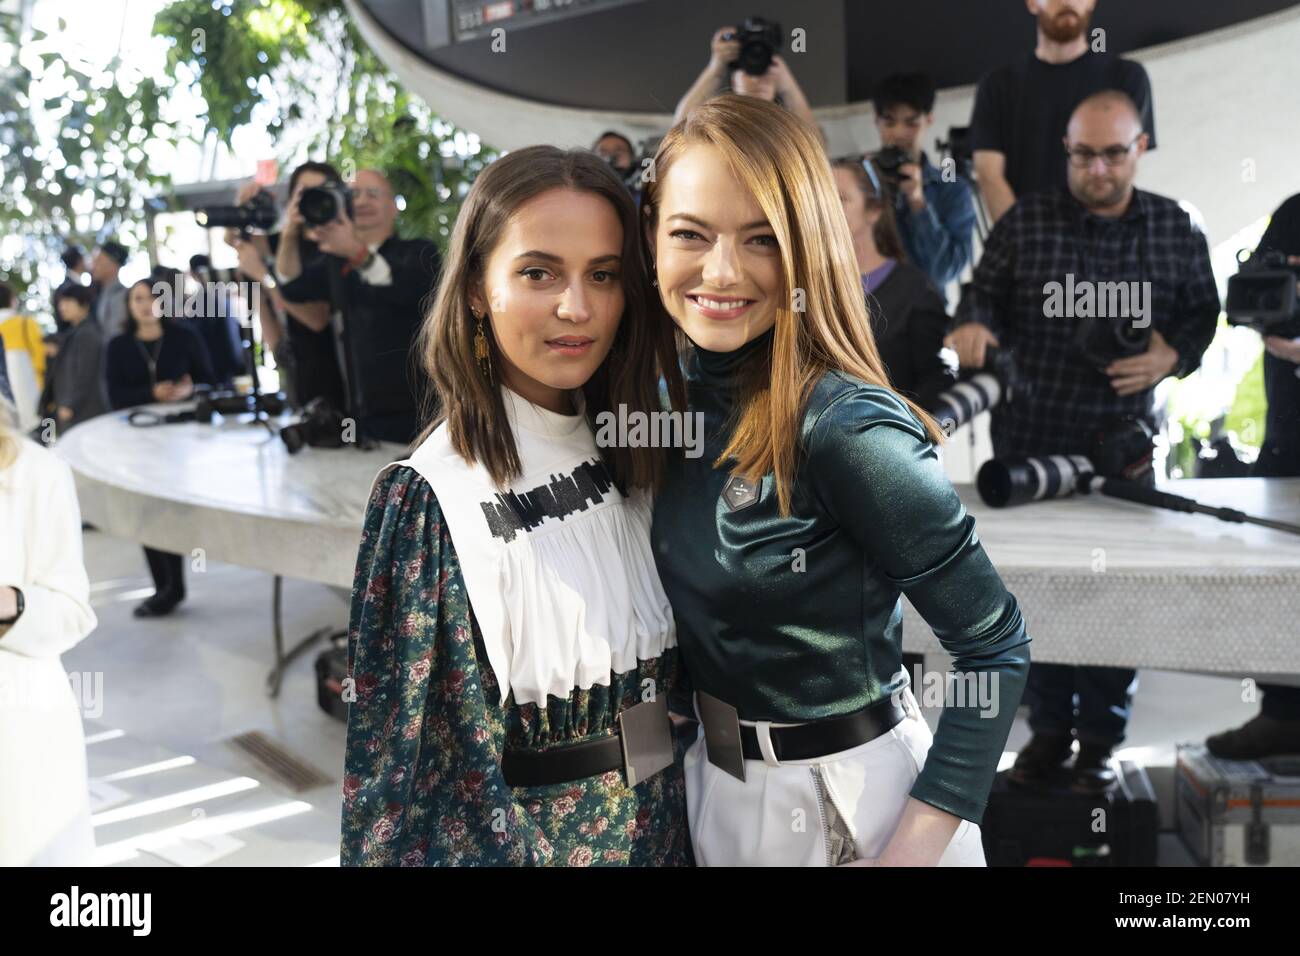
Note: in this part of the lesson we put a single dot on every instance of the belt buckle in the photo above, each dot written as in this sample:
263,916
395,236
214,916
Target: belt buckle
645,733
721,734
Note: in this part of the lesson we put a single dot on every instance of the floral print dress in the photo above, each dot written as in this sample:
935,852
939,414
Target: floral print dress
422,779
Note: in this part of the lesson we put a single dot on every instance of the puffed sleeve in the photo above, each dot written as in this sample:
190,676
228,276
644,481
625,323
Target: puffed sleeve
56,591
422,781
877,473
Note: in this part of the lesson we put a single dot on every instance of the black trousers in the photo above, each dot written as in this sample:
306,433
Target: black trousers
1279,457
168,572
1093,702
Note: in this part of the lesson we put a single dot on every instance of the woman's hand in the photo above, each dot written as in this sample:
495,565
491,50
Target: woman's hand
162,392
182,389
922,835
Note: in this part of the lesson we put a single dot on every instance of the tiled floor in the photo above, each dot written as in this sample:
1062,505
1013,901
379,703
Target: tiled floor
176,689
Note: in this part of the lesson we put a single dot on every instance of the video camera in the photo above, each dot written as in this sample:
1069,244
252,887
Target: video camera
257,215
1262,295
759,41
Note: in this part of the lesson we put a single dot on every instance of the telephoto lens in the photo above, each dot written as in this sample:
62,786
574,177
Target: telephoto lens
1015,482
979,391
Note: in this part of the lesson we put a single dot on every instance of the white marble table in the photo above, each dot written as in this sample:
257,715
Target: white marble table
1100,581
229,492
232,490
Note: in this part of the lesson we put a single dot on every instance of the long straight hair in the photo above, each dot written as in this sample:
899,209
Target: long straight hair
780,159
642,351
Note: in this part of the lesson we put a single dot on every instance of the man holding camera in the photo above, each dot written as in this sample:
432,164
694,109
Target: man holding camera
376,285
1275,730
1021,109
1100,290
773,80
303,345
935,218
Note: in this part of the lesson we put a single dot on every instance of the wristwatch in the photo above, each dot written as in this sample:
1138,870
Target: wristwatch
18,613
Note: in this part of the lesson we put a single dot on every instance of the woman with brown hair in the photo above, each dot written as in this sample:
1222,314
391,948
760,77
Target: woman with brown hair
818,502
908,318
511,646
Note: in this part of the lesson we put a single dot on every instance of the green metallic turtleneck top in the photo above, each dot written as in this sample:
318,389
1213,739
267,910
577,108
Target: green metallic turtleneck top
792,619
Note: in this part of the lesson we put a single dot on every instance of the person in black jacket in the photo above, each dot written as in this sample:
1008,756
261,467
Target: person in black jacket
1275,730
77,387
157,359
907,314
377,286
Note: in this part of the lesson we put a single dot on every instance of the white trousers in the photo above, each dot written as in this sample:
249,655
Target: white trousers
806,812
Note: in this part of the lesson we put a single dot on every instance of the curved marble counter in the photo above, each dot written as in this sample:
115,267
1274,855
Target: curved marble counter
1100,581
231,489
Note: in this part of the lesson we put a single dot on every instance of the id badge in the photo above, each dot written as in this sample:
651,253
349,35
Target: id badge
721,734
647,739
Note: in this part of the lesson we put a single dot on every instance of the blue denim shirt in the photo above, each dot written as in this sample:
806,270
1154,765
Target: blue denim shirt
938,238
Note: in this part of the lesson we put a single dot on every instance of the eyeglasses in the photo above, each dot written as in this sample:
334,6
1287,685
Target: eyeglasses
1082,157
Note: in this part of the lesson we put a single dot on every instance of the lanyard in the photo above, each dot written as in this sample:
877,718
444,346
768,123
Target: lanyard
151,359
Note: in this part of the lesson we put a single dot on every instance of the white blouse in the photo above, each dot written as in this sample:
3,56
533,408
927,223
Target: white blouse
558,566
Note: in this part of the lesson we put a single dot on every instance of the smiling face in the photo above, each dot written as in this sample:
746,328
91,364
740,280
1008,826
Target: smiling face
553,294
717,259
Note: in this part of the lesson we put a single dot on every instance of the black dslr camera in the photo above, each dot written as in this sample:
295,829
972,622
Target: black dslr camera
888,162
321,426
257,215
1262,295
322,204
759,40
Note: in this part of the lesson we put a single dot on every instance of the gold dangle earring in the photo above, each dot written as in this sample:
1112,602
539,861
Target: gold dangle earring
482,354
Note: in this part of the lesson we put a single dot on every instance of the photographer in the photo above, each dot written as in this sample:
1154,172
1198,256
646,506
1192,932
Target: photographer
775,83
303,344
220,331
1021,109
1086,366
375,285
935,218
1276,729
617,150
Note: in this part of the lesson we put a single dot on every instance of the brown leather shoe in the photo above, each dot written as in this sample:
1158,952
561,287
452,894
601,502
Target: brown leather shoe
1257,739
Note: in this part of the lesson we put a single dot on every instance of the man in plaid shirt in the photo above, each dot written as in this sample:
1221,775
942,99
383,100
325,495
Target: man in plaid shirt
1053,259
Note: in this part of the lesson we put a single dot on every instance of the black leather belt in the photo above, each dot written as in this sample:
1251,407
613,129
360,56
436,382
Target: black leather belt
641,747
540,768
831,735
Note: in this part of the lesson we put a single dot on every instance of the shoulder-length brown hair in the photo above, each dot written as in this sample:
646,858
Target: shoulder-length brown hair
884,232
642,351
781,161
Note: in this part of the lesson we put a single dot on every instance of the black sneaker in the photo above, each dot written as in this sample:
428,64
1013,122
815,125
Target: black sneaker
1042,760
1092,772
1257,739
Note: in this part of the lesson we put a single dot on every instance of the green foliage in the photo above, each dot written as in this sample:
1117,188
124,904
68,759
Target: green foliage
302,64
1249,406
87,141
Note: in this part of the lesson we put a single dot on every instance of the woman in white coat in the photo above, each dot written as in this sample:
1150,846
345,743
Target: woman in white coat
44,611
